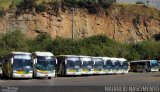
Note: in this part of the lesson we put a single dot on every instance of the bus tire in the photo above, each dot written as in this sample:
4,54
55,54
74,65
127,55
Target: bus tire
3,75
147,70
134,70
10,76
49,78
62,73
34,75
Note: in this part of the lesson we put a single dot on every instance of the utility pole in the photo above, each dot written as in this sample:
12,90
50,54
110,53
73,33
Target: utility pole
147,3
73,24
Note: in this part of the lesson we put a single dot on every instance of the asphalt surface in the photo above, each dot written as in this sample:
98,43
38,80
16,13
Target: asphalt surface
100,81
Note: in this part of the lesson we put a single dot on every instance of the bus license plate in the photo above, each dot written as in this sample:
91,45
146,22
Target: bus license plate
46,75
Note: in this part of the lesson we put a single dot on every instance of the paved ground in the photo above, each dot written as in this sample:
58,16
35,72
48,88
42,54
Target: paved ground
131,79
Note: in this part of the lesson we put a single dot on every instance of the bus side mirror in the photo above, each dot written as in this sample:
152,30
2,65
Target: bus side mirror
65,62
93,62
11,60
81,62
34,61
56,61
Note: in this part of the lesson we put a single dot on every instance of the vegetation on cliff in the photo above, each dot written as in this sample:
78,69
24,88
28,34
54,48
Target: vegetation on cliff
93,6
94,46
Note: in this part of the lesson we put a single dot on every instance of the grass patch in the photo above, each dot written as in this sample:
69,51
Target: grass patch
140,10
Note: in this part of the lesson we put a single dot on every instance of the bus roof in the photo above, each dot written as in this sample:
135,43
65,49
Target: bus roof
85,56
105,58
67,56
141,60
27,53
43,53
113,58
122,59
97,58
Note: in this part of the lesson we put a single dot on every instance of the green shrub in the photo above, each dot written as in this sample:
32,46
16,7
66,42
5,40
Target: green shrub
94,46
13,41
40,8
40,42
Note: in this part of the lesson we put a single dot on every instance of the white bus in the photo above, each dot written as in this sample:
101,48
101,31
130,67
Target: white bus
18,65
44,64
86,65
117,65
98,65
68,65
108,65
144,66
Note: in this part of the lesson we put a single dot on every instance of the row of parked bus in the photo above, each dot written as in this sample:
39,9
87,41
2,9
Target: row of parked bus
45,64
86,65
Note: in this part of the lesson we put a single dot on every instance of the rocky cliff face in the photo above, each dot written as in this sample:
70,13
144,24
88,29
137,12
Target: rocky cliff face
122,27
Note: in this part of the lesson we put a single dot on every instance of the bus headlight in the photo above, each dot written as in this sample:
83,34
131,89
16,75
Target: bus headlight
92,69
30,71
14,71
102,69
80,69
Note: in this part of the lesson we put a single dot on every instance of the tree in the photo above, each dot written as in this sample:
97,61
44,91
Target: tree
13,41
40,43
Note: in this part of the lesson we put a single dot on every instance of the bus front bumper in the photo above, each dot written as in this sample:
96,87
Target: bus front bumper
98,72
108,71
15,75
87,72
43,75
117,71
73,73
154,70
125,71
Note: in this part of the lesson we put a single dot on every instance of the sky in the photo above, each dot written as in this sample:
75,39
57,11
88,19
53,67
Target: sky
154,3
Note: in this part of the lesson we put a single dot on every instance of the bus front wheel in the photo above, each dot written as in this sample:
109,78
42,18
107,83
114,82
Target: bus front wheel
49,77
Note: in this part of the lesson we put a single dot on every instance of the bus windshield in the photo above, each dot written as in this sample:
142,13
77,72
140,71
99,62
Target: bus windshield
46,63
117,64
154,63
22,62
109,64
87,63
125,64
73,62
98,63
